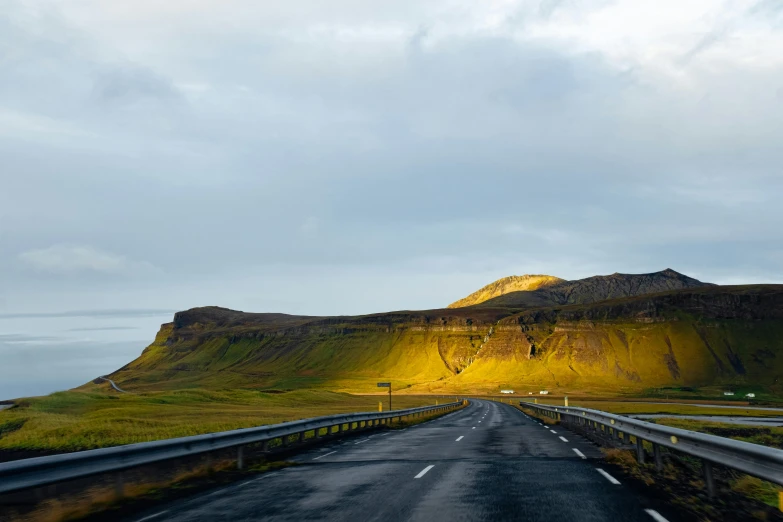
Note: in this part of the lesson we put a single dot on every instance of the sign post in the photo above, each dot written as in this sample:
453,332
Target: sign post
386,385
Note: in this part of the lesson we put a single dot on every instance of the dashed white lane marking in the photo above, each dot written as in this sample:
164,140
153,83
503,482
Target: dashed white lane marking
424,471
579,453
325,455
564,439
460,438
479,422
553,431
156,515
655,515
365,440
473,428
607,476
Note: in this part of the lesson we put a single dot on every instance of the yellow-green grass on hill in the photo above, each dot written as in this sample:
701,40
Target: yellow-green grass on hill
607,358
80,420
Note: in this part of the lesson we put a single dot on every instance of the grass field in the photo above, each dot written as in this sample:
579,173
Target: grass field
70,421
625,407
768,436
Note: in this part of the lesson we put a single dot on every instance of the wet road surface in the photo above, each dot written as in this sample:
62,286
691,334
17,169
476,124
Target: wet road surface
488,461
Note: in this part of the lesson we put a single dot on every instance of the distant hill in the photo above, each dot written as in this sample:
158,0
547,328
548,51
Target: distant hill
595,289
700,335
507,285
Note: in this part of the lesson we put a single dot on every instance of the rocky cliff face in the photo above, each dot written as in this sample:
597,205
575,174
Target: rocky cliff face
694,336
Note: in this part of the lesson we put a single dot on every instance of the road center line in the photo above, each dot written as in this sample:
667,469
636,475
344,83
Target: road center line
459,438
563,439
326,455
579,453
655,515
424,471
607,476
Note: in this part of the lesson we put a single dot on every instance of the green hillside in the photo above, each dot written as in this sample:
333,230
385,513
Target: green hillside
701,336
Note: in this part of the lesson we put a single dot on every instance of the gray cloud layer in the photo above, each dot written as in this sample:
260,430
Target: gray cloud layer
307,158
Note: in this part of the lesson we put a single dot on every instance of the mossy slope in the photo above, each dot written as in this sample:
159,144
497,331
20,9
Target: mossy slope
729,336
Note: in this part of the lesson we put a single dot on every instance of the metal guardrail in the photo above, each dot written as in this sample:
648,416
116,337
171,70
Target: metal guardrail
753,459
42,471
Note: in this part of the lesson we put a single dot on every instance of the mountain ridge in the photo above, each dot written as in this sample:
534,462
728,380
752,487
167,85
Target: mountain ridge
590,289
702,335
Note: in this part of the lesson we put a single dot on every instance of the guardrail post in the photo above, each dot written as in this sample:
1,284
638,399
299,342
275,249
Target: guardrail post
709,480
640,450
119,484
658,457
240,457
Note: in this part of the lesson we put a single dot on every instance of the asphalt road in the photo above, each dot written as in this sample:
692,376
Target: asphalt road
488,461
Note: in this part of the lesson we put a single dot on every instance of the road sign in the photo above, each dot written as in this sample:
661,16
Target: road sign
386,385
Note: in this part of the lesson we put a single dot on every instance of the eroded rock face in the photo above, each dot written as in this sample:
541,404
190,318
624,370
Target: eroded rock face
692,336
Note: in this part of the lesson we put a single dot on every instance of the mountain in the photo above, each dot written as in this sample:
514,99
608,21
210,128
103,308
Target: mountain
507,285
595,289
696,336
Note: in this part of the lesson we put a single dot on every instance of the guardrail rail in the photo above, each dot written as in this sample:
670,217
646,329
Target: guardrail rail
753,459
43,471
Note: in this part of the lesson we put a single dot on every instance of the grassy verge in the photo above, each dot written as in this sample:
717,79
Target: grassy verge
680,483
72,421
98,498
623,408
766,436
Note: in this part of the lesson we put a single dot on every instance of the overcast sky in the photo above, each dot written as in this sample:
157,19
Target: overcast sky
354,156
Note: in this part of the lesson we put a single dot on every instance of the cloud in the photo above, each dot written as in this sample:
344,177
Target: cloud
94,314
13,339
103,329
129,84
66,259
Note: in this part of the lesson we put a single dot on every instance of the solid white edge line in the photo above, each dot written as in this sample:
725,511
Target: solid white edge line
607,476
563,439
150,517
326,455
579,453
460,438
365,440
424,471
656,516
